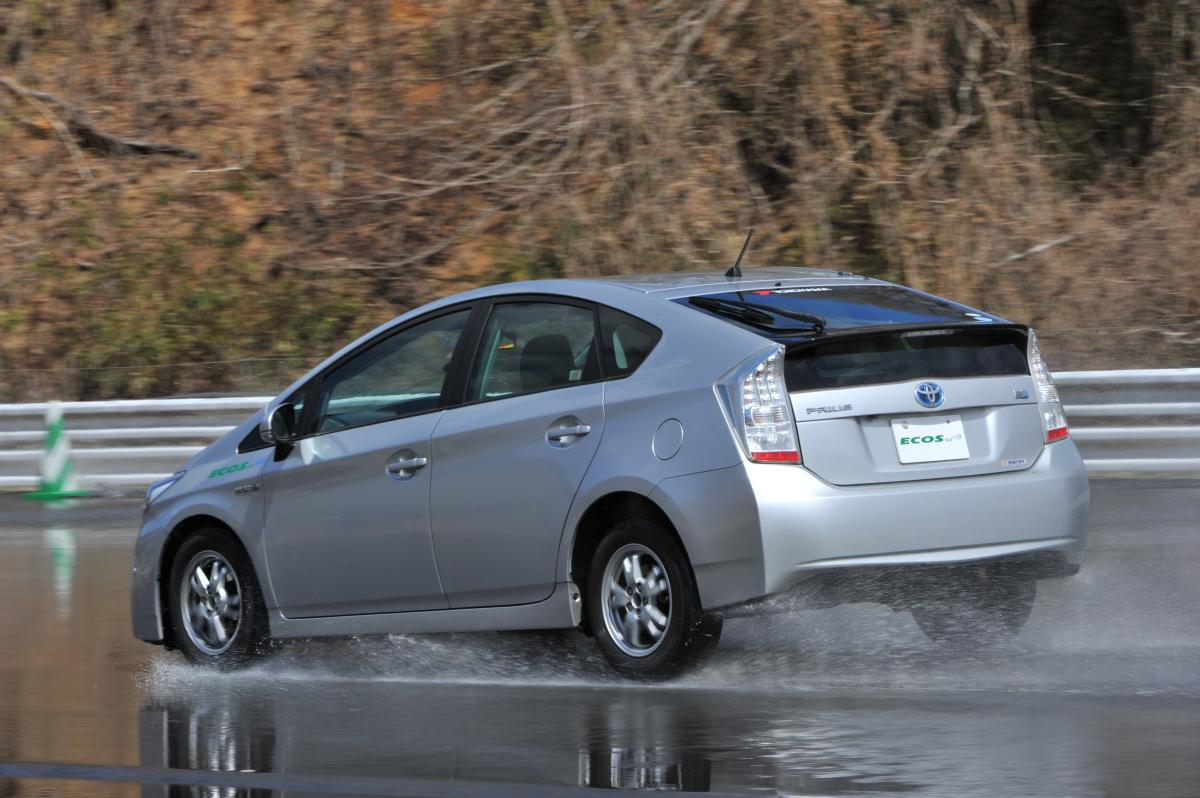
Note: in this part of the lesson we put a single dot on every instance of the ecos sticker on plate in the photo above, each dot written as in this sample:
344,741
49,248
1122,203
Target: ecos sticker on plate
930,438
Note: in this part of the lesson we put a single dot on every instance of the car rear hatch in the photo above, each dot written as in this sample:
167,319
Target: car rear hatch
888,384
909,404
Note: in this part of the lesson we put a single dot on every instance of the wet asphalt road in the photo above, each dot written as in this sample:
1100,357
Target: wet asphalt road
1099,696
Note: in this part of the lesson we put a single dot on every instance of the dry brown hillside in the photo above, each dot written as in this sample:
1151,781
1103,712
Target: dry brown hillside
207,182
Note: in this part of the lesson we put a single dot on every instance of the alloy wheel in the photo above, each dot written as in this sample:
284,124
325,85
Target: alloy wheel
211,598
636,600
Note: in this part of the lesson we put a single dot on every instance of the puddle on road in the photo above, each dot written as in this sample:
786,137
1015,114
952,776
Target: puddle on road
855,648
881,715
1099,695
851,701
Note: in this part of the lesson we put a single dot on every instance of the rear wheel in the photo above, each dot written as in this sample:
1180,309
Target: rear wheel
983,610
215,604
643,605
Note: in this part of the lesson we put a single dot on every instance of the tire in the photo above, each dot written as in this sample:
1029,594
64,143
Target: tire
234,603
624,617
979,611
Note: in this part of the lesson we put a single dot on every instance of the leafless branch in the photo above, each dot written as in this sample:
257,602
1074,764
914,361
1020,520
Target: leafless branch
86,132
1035,250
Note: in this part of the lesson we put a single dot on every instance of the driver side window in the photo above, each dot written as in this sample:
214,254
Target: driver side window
402,375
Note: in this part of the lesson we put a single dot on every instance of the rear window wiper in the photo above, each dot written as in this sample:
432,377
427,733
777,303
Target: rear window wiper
818,322
756,315
733,310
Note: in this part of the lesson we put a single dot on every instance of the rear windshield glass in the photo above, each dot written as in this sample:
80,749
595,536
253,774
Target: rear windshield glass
781,310
893,357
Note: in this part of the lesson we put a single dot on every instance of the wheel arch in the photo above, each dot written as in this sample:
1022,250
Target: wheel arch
182,530
599,517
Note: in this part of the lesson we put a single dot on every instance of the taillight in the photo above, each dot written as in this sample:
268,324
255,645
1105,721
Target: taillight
1054,418
766,418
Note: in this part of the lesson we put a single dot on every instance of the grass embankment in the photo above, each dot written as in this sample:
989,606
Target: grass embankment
210,182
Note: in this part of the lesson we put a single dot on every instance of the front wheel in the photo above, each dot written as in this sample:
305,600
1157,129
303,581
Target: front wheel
215,604
643,605
981,611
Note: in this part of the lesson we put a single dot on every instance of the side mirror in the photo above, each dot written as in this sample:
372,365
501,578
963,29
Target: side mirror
279,426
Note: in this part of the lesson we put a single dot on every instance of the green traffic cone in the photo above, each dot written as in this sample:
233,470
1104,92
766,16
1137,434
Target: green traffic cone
57,468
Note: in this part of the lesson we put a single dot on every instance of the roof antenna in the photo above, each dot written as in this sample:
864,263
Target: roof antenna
736,269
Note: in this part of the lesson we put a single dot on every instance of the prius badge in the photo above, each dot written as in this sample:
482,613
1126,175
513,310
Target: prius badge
930,394
828,409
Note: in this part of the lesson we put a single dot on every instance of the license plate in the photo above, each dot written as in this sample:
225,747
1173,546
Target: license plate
930,438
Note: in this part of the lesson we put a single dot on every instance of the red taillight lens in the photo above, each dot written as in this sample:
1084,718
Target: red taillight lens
1056,434
766,414
775,457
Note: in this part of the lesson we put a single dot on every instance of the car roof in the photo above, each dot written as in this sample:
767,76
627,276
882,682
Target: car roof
665,281
677,284
663,285
671,285
611,290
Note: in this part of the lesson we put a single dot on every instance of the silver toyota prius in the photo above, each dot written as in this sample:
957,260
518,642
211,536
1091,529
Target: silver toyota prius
637,458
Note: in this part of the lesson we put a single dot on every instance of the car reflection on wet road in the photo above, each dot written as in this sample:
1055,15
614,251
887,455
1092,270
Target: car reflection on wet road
1100,695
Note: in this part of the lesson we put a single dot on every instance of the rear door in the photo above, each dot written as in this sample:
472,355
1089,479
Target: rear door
510,459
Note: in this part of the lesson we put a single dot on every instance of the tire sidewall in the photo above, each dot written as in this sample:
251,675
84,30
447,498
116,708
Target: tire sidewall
686,630
250,638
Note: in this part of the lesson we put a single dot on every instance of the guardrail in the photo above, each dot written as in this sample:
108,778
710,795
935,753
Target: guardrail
1132,421
125,443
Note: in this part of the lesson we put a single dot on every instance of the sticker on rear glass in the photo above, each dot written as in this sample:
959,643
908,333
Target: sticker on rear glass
799,290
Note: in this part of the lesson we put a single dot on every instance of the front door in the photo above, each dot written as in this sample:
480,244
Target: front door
347,511
511,458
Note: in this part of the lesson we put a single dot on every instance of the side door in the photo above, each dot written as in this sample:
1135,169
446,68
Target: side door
347,510
511,457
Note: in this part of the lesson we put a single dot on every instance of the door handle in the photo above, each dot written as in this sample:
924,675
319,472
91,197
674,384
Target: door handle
561,434
405,469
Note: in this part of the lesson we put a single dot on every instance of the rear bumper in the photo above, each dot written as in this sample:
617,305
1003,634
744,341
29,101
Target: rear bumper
806,526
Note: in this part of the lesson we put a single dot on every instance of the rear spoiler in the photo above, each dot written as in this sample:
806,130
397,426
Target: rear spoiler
799,343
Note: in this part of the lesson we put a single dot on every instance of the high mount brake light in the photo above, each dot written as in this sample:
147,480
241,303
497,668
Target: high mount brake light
1054,418
767,426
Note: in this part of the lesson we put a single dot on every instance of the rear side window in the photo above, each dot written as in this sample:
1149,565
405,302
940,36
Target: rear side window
893,357
627,341
841,307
